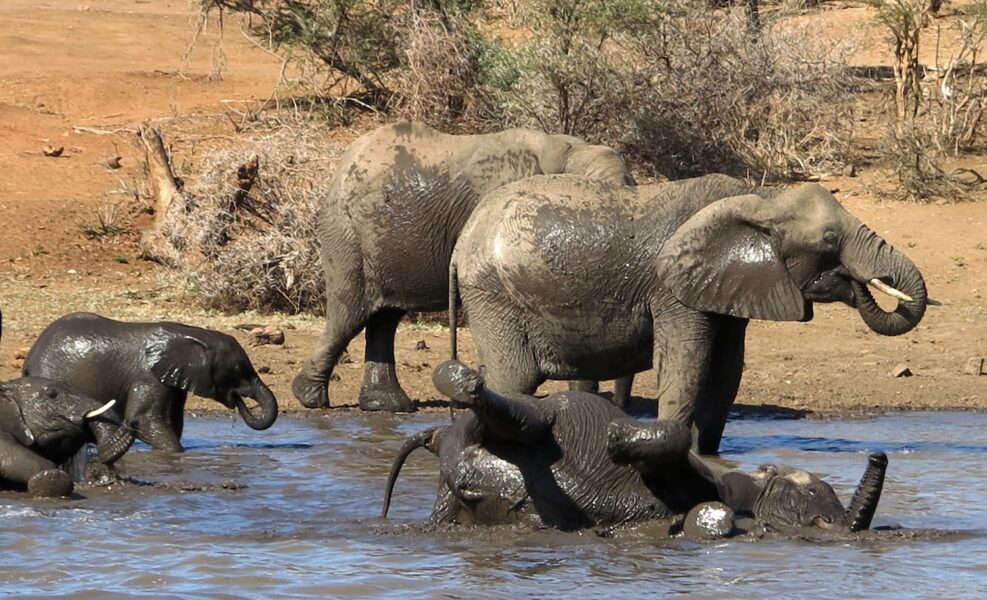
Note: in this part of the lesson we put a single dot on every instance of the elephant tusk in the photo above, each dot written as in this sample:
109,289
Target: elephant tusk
102,409
890,291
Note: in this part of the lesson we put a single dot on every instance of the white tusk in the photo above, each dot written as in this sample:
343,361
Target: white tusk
102,409
890,291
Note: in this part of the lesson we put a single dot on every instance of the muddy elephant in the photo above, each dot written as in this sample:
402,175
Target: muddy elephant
387,228
572,460
43,424
150,368
566,278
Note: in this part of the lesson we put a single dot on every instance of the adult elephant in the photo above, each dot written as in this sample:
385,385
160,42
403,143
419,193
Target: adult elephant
574,461
43,424
387,228
566,278
150,368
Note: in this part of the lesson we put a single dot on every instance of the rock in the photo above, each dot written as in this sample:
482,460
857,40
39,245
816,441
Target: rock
265,335
901,370
708,521
850,170
19,356
421,345
52,151
976,366
264,369
111,162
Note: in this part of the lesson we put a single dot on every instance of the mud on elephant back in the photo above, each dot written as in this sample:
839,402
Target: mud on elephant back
573,461
566,278
149,369
398,199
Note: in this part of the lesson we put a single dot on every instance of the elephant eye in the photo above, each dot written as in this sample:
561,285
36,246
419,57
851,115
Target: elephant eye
831,237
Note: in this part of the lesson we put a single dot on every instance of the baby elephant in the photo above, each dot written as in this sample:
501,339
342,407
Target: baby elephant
573,461
43,424
150,368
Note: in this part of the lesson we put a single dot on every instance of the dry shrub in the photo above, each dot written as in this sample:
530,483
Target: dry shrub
438,83
719,99
254,249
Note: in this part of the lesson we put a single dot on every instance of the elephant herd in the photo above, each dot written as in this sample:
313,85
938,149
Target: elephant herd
568,270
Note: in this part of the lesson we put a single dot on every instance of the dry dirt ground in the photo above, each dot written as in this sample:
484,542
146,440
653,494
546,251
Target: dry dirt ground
83,75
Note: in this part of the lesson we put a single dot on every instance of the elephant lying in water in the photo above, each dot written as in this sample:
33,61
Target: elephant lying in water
150,368
573,461
43,424
398,200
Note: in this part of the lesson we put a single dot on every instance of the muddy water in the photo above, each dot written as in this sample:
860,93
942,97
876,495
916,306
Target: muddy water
306,523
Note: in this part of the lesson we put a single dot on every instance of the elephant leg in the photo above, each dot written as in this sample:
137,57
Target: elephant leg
381,390
347,312
41,476
177,417
682,347
151,409
516,419
721,385
622,391
584,385
508,361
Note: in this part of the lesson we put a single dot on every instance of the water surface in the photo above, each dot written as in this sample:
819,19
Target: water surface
307,525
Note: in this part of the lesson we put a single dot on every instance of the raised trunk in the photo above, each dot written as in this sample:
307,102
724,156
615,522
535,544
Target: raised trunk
860,512
268,408
425,439
112,441
867,257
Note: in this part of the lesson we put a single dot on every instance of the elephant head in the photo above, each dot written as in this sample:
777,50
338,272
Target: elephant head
56,420
796,501
771,258
212,365
573,156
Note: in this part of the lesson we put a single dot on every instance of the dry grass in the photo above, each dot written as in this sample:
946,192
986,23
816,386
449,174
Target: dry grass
255,248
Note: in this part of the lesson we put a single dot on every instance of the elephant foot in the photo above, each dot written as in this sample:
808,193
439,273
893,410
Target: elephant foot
381,390
312,394
50,484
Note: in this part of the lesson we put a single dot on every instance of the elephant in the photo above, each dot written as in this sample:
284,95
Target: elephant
43,424
574,461
567,278
150,368
387,227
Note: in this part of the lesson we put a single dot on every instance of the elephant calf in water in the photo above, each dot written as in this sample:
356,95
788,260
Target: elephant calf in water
150,368
573,461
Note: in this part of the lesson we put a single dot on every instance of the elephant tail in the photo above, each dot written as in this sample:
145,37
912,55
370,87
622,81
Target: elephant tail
427,439
453,320
453,315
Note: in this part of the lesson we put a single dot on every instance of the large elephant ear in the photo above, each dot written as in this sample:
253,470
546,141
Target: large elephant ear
182,362
726,259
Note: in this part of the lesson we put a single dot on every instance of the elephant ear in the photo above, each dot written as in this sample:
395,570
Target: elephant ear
725,259
181,361
13,420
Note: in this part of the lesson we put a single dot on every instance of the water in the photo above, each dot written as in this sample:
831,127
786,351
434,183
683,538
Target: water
307,523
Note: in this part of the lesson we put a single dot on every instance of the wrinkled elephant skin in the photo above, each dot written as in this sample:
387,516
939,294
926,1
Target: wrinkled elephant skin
387,228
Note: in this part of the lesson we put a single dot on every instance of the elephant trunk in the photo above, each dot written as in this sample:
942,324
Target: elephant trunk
869,257
428,439
112,440
863,505
268,410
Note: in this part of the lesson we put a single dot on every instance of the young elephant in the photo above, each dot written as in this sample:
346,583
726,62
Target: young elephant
150,368
43,424
573,460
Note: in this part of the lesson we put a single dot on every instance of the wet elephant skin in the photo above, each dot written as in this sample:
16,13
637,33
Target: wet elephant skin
397,203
